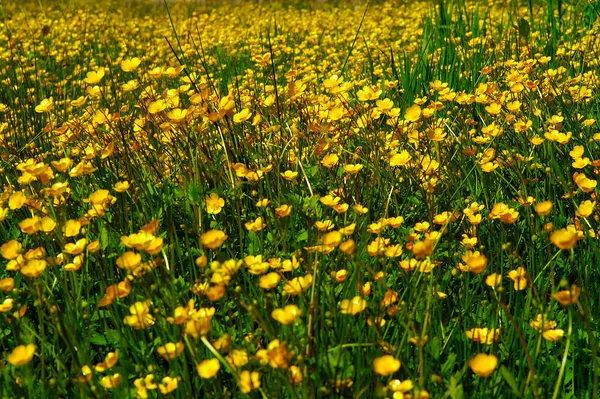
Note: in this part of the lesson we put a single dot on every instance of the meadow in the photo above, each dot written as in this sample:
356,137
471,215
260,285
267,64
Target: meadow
299,199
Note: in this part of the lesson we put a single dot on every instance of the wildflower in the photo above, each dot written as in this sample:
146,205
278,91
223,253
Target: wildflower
110,360
130,64
199,322
121,186
568,297
298,285
543,208
144,384
17,200
269,280
21,355
289,175
214,204
256,225
94,77
519,276
208,368
276,355
413,113
564,238
483,335
34,268
353,306
330,160
283,210
111,381
170,350
400,159
11,249
45,106
483,365
140,317
213,239
386,365
348,247
493,280
288,315
7,284
168,384
547,328
475,262
249,381
242,116
585,209
295,374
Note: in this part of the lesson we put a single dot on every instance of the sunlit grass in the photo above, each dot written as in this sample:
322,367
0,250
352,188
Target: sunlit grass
299,199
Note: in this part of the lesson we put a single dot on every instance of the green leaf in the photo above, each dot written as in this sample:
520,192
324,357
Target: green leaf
98,339
302,236
510,380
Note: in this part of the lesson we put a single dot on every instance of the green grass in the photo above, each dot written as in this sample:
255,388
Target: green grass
304,71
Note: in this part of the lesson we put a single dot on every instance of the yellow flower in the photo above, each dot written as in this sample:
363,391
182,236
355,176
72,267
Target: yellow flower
330,160
171,350
208,368
213,239
283,210
348,247
110,360
11,249
72,227
353,306
242,116
413,114
493,280
475,262
214,204
519,276
21,355
169,384
332,239
111,381
298,285
248,381
17,200
75,248
568,297
288,315
386,365
289,175
483,335
45,106
269,280
400,159
130,64
564,238
94,77
121,186
256,225
199,323
585,209
483,365
140,317
543,208
34,268
129,260
144,384
584,183
7,284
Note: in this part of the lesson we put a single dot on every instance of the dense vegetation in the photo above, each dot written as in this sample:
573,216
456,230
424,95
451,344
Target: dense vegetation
299,199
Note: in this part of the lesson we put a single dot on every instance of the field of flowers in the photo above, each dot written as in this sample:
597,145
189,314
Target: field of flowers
300,199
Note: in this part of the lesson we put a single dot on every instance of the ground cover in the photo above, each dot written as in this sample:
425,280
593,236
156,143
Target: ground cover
299,199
